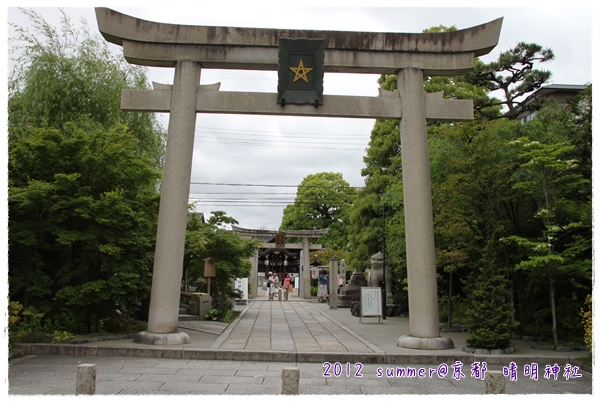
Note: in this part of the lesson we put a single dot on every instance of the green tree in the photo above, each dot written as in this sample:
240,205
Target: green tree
83,178
228,250
474,203
558,252
489,314
322,201
82,220
67,74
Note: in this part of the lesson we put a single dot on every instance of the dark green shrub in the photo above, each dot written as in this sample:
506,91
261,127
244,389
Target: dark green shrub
37,337
587,322
488,315
570,328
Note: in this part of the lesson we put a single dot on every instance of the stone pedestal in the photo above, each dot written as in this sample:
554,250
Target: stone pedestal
290,381
350,293
148,338
434,343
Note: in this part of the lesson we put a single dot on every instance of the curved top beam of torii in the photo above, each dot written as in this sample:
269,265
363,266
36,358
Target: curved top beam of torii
162,45
314,234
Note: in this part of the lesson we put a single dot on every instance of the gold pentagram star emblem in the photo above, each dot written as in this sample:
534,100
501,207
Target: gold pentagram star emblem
300,71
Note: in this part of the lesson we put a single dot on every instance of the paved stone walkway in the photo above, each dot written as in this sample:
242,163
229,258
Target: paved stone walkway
285,326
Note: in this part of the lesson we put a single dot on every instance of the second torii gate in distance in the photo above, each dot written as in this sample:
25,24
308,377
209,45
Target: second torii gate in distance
305,246
190,48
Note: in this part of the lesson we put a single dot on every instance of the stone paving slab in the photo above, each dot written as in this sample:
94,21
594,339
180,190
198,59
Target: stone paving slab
298,327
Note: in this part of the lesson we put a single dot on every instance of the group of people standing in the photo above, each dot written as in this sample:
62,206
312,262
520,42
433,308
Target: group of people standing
273,285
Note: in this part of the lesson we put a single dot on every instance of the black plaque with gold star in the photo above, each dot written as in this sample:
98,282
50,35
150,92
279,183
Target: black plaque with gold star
301,70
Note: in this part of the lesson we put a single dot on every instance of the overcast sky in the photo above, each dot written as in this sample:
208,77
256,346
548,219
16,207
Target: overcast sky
269,152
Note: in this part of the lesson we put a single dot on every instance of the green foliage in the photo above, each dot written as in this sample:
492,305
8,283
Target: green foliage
14,308
36,337
488,317
322,201
230,316
61,336
64,74
587,316
225,248
82,219
459,309
82,178
212,314
514,75
559,250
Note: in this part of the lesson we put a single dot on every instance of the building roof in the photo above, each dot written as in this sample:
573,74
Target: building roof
560,87
545,92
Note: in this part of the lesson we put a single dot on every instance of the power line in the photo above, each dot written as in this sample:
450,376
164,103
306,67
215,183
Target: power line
261,185
273,145
270,133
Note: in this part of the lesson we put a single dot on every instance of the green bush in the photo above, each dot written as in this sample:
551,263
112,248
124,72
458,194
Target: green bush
570,328
61,337
230,316
459,309
36,337
587,322
314,290
212,314
489,315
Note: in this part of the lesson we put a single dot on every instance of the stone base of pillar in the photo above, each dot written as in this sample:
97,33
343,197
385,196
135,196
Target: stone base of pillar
149,338
412,342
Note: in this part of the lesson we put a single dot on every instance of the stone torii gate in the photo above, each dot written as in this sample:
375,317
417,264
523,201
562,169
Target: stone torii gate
190,48
305,246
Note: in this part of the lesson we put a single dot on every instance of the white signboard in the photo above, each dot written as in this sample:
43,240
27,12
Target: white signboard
370,303
242,285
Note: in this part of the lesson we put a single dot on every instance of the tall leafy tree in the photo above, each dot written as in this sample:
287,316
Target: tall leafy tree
322,201
82,221
472,201
228,250
65,74
558,248
83,177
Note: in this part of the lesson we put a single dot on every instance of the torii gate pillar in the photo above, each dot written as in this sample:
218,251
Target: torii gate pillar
418,216
408,55
172,214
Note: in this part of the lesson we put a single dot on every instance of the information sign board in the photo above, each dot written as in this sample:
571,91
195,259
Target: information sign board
242,285
370,303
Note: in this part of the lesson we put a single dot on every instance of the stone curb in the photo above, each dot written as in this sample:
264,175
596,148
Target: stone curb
282,356
559,348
